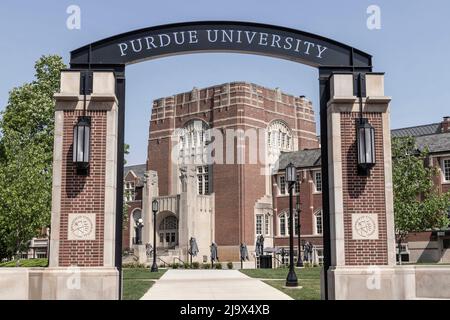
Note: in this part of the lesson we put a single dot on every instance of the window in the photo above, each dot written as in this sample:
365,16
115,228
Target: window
318,225
169,223
203,180
266,224
283,224
297,184
129,192
192,140
446,169
318,181
259,224
295,224
446,243
262,224
282,185
279,136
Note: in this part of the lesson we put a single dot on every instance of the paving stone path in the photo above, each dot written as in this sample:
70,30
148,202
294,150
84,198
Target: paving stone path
211,285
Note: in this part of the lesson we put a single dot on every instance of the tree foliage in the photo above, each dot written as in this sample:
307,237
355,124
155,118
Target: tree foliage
418,206
26,147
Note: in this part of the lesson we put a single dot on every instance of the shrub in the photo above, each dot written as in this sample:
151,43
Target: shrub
230,265
206,266
217,265
175,265
195,265
133,265
186,265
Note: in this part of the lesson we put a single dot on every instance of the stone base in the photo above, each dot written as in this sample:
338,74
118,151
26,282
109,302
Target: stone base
72,283
389,283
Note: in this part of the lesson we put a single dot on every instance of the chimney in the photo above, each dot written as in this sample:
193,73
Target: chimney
445,125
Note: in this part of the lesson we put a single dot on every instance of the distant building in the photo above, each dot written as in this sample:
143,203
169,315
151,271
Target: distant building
234,203
431,246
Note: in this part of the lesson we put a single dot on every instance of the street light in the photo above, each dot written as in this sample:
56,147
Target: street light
291,179
82,144
155,208
299,257
139,226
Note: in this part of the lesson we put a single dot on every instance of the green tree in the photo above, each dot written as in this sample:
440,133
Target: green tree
418,206
26,146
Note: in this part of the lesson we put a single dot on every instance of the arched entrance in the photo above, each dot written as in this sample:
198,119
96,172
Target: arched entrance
94,88
168,232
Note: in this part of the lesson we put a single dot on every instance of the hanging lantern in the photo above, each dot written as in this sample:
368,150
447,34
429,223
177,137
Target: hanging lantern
82,143
291,173
366,144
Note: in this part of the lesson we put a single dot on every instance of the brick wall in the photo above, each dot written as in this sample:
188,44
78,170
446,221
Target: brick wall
363,194
83,194
228,106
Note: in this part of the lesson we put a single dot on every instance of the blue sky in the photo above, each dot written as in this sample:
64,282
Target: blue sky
412,47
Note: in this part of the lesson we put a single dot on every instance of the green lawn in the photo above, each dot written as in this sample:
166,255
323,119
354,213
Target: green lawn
308,278
26,263
137,281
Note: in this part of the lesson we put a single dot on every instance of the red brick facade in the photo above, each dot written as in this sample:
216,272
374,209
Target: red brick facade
83,194
237,105
363,194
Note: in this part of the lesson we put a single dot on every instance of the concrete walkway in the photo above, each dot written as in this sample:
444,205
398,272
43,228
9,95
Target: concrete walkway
211,285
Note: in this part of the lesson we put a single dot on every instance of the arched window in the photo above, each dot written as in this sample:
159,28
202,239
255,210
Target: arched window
192,140
284,224
318,222
169,223
279,137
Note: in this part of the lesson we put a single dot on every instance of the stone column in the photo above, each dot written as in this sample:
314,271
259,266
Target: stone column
83,206
361,208
150,192
187,208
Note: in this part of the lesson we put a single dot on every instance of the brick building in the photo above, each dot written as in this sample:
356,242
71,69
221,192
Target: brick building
231,201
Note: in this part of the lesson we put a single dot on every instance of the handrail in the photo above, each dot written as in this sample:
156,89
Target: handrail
176,258
164,263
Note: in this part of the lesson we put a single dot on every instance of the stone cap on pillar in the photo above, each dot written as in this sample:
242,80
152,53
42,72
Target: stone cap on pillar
342,91
103,90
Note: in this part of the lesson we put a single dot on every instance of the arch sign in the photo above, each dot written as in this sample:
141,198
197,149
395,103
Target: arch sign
219,36
92,96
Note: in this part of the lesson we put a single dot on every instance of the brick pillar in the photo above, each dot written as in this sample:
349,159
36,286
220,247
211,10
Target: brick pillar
85,200
358,201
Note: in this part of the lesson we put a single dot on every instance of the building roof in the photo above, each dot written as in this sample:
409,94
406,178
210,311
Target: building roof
417,131
138,170
301,159
435,142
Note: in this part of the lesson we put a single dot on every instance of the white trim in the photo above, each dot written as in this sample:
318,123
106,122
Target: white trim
444,180
314,222
110,187
56,189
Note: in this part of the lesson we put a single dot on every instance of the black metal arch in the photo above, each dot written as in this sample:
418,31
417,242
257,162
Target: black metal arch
116,52
219,36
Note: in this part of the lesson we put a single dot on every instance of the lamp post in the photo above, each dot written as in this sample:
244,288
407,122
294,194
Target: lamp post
155,207
299,257
291,178
82,144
